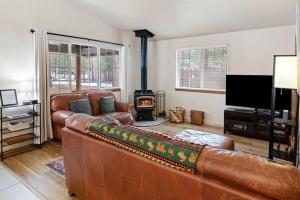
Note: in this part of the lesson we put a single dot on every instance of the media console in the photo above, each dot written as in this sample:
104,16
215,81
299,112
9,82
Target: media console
250,123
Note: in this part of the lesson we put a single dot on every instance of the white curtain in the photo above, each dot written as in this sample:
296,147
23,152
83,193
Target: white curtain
298,55
123,75
42,82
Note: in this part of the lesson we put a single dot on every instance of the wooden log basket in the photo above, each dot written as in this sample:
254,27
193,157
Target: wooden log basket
197,117
177,115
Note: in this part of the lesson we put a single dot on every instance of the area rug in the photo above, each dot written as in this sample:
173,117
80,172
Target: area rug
57,166
156,122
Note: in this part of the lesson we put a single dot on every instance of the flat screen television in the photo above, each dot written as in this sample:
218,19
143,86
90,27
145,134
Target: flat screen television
253,91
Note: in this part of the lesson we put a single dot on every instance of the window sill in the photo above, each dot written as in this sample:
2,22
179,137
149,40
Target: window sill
200,90
56,92
110,89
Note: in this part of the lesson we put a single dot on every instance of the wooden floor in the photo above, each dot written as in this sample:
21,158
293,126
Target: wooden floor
30,167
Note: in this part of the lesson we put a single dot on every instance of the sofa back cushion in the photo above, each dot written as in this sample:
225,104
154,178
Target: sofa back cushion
61,101
81,106
94,98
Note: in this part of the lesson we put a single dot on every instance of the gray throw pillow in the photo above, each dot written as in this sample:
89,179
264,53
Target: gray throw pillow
81,106
107,104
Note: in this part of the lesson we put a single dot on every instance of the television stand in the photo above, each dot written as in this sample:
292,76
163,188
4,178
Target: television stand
249,123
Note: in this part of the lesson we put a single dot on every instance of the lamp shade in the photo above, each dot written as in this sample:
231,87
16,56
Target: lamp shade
286,72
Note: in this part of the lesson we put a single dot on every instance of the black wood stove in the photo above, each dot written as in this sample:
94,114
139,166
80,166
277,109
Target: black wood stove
144,100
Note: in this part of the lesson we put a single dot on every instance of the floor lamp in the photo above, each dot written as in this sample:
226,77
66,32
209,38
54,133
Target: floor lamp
284,77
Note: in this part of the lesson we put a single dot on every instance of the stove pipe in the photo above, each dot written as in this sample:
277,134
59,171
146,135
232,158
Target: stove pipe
144,35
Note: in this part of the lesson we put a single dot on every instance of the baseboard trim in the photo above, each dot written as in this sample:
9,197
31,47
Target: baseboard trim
209,123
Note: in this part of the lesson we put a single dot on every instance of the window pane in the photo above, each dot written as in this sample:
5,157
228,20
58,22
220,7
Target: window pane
64,48
53,48
195,68
75,64
184,68
75,49
215,69
89,73
59,64
84,67
93,68
109,68
57,47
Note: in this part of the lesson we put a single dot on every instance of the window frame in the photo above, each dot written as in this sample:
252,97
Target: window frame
88,44
200,90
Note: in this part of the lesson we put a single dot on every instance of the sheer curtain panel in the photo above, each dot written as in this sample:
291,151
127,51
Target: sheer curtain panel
42,82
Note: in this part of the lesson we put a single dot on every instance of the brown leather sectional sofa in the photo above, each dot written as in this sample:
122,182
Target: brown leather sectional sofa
98,170
61,110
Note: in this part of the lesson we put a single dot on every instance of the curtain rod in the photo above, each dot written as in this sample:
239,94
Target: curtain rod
83,38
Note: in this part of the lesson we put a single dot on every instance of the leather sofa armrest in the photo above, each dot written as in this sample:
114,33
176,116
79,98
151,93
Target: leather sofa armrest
59,117
123,107
250,172
79,122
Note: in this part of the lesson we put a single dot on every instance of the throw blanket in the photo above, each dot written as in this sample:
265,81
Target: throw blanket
153,146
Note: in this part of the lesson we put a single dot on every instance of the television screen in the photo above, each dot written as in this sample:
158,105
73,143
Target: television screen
253,91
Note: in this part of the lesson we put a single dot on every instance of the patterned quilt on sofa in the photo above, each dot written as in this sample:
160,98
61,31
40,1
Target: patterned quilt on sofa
153,146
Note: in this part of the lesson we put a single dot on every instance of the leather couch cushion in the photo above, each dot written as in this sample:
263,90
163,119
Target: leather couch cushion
95,100
210,139
61,102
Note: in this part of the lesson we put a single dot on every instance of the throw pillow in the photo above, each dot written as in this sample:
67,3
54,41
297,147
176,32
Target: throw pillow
107,104
81,106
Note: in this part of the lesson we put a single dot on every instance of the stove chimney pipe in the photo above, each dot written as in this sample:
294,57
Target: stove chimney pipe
144,35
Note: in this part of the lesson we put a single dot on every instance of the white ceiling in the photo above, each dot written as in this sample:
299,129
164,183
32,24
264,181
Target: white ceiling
181,18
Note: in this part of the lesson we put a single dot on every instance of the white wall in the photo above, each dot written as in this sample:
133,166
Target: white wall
249,52
16,42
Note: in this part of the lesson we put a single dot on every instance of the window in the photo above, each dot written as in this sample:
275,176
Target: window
202,68
80,67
